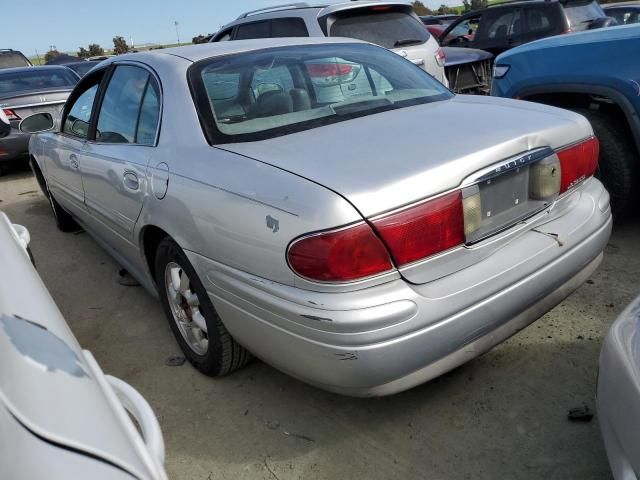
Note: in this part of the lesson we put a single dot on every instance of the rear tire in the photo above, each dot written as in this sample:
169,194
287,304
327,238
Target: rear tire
64,221
619,161
186,303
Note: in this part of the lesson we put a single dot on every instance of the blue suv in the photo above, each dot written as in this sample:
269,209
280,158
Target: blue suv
595,73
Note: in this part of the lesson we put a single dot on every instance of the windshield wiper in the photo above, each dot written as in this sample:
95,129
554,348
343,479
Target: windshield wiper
407,41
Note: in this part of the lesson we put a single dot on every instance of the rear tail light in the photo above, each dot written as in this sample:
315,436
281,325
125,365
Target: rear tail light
329,69
578,162
343,255
423,230
11,115
441,57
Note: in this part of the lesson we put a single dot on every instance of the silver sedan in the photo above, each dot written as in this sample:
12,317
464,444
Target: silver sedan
315,202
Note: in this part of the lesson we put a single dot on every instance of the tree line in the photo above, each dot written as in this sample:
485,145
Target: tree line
94,50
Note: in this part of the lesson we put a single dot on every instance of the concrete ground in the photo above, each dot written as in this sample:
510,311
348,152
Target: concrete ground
502,416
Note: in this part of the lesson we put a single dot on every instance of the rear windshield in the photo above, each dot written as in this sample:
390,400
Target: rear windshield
273,92
36,79
581,14
10,60
387,29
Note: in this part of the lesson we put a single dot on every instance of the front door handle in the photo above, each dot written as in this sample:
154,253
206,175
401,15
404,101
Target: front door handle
73,161
131,181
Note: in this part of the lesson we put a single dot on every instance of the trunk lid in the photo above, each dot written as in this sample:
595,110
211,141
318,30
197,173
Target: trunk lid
28,103
384,161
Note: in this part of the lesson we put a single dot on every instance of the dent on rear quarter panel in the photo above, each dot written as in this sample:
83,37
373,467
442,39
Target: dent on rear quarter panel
241,212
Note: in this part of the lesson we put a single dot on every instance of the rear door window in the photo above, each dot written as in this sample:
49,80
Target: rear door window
251,30
389,29
288,27
498,27
120,109
581,14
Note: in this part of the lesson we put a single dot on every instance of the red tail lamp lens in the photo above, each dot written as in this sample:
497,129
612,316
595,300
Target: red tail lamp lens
340,256
323,70
578,162
423,230
11,115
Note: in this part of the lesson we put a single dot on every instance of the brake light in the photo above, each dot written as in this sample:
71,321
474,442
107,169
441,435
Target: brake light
441,57
342,255
11,115
323,70
423,230
383,8
578,162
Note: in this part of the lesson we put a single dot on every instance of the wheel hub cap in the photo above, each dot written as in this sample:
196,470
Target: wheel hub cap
185,308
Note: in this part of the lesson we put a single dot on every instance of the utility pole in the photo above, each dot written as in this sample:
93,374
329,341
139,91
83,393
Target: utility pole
38,56
177,33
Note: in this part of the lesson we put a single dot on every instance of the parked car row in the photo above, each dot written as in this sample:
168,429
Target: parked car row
307,200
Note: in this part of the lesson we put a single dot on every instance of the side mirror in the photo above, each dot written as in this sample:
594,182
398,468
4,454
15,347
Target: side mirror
37,123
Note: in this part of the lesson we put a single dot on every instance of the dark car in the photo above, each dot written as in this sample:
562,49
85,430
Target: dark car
589,73
28,90
13,58
438,19
624,13
81,68
500,27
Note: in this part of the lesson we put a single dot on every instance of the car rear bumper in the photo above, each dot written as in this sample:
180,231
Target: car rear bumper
16,145
388,338
618,399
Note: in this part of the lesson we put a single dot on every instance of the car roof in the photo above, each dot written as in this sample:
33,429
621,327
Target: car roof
31,69
194,53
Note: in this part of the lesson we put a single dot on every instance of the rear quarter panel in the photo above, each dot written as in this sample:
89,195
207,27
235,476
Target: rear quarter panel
242,213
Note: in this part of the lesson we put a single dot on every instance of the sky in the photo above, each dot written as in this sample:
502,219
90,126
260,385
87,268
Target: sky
30,25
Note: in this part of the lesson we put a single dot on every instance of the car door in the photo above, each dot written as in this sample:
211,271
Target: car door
115,165
66,148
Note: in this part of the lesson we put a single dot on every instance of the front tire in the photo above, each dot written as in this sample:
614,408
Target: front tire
202,336
619,161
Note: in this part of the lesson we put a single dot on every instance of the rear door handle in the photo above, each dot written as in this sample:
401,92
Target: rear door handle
417,61
73,161
131,181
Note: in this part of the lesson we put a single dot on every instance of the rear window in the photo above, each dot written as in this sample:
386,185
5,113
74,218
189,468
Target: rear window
389,29
13,59
581,14
273,92
36,79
